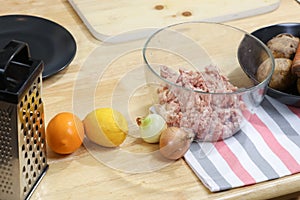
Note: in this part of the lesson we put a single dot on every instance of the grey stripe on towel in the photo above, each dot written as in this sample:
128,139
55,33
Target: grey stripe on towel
281,121
255,156
209,167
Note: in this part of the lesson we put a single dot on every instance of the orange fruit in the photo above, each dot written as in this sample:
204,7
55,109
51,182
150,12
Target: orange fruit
64,133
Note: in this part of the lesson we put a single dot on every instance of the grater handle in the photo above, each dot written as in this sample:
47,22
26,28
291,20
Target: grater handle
14,50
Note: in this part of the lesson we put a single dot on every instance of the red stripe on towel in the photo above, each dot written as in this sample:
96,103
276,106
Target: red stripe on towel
295,110
274,145
234,163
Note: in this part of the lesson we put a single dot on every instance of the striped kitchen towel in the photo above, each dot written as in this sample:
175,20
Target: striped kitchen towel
267,147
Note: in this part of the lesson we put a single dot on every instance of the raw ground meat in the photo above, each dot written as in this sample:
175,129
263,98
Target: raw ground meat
211,117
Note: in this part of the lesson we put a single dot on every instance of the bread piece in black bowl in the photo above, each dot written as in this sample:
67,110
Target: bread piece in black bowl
288,96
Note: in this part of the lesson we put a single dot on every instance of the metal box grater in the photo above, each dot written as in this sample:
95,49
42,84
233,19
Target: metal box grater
23,160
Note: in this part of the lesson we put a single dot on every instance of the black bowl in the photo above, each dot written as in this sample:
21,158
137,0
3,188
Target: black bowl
265,34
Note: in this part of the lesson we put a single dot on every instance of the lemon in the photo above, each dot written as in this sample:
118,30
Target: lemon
106,127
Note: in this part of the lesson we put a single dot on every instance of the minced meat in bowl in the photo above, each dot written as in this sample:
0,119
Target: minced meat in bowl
198,83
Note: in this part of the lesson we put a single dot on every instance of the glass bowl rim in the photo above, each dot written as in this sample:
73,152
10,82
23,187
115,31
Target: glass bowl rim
241,90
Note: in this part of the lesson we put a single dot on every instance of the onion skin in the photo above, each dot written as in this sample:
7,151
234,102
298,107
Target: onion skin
174,143
151,127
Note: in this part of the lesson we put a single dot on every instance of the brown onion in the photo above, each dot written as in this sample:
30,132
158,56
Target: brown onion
174,142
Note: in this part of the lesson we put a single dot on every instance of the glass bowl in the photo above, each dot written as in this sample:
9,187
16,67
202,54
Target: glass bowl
202,77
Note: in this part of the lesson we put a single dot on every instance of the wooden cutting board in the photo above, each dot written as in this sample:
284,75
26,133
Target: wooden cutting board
113,17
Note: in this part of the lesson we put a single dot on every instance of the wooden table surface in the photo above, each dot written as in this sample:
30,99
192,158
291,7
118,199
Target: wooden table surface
80,175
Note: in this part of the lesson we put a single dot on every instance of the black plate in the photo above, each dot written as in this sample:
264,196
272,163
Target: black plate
265,34
47,40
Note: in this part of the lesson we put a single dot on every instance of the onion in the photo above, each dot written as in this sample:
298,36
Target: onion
151,127
174,142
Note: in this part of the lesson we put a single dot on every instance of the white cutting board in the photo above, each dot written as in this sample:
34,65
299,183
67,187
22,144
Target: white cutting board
106,18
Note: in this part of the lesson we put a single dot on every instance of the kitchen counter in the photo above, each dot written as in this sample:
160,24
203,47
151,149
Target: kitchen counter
80,175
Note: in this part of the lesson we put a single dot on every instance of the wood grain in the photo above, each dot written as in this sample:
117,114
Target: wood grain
80,175
118,16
